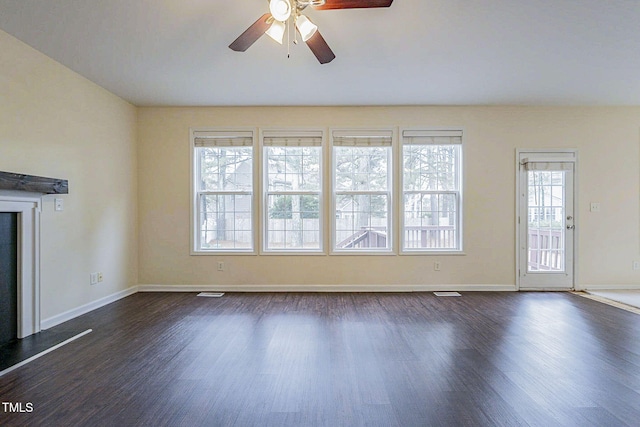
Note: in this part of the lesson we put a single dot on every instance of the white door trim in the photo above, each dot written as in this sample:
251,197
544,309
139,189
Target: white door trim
27,206
547,155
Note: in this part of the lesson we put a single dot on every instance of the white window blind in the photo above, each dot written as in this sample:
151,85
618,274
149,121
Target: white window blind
343,138
432,137
292,139
222,139
548,166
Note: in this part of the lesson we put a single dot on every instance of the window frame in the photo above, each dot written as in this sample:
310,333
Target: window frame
265,192
459,194
327,193
196,194
386,132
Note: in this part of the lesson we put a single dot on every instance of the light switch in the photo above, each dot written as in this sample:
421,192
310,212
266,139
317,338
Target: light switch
59,204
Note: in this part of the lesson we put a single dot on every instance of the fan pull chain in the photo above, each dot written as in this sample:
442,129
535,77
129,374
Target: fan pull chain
288,40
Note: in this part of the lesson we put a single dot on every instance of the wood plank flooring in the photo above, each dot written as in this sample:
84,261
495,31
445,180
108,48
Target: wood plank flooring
18,350
339,359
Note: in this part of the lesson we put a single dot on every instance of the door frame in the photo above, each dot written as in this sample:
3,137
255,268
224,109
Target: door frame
546,155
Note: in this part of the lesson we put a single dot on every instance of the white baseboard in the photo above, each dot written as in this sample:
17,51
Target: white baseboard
609,287
323,288
79,311
83,309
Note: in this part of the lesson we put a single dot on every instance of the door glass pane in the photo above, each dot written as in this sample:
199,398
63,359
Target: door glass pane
546,225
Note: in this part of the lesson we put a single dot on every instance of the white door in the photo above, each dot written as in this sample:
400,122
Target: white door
546,221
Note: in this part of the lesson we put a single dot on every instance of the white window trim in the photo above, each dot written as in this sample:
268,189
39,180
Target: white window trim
264,229
391,188
395,219
447,131
194,194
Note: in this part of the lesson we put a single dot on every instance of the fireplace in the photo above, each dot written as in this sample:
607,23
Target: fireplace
20,205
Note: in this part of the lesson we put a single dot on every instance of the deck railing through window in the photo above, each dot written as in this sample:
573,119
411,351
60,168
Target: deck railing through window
415,237
430,236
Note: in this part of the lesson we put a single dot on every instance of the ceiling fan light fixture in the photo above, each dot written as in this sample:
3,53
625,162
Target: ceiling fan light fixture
276,31
280,9
306,27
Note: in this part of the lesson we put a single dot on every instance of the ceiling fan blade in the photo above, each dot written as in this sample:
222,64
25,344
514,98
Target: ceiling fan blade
252,34
353,4
320,48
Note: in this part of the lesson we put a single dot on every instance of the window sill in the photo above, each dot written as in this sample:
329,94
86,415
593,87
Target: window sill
434,253
365,253
221,253
293,253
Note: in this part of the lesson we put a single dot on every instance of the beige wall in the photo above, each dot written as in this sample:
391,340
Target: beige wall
607,139
55,123
128,170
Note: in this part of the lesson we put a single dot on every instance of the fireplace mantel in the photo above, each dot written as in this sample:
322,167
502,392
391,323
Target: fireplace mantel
33,184
27,205
23,195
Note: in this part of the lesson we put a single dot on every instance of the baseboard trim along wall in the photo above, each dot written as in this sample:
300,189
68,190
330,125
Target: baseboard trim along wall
84,309
323,288
610,287
71,314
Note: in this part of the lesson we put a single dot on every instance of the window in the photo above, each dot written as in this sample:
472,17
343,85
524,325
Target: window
223,191
293,191
362,191
431,190
294,212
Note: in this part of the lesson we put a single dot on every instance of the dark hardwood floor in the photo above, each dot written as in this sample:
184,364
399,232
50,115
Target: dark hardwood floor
287,359
18,350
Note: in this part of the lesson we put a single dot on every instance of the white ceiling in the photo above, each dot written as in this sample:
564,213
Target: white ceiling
428,52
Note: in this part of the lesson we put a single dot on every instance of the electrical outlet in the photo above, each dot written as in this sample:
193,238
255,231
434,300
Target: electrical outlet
220,265
436,266
594,207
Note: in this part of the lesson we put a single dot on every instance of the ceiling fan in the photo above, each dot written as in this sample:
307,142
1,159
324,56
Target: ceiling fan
282,13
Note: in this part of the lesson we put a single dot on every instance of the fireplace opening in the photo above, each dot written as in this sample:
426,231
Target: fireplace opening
8,277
